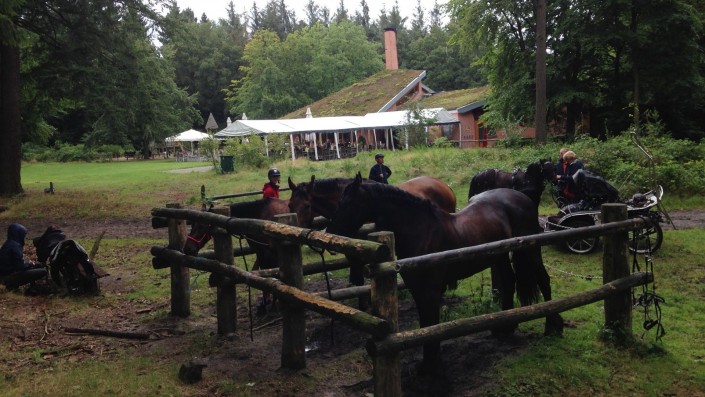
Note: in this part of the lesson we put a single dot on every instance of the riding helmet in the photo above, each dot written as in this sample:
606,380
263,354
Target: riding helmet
273,172
378,155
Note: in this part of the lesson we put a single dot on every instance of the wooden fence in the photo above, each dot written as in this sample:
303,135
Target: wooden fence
385,342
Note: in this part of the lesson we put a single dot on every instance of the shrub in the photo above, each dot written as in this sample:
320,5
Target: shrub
247,151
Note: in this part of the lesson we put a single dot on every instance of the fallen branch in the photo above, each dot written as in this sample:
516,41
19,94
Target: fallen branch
149,309
268,324
103,332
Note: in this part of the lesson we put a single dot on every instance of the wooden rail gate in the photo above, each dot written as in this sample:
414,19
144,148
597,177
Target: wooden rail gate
386,342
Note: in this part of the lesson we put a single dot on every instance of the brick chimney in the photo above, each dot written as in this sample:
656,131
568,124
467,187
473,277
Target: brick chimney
390,48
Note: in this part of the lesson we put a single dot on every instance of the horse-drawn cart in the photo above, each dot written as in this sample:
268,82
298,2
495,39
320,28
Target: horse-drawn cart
595,192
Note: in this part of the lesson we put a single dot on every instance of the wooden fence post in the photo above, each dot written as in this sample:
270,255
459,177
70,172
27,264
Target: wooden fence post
293,315
226,302
384,296
615,265
180,275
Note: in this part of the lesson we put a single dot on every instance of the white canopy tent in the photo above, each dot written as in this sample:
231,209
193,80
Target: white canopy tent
189,136
371,121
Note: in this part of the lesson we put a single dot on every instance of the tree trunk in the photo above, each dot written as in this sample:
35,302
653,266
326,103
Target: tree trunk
540,72
10,132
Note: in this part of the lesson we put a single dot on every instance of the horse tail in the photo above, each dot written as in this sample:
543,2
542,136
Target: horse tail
530,271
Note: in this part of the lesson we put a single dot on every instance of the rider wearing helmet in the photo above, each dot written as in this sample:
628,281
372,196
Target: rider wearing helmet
271,188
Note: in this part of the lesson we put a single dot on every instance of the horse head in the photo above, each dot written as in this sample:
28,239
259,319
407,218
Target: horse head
301,201
548,170
198,237
351,214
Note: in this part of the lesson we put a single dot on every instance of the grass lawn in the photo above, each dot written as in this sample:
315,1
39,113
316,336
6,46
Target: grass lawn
39,360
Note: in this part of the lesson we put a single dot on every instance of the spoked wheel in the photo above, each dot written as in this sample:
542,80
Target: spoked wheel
648,240
580,245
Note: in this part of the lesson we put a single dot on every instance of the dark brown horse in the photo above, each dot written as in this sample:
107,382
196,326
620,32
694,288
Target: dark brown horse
530,182
265,209
321,197
421,228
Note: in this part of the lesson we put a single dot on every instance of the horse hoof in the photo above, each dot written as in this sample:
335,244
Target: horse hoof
554,325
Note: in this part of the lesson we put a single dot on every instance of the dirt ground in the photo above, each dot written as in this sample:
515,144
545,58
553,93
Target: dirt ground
32,326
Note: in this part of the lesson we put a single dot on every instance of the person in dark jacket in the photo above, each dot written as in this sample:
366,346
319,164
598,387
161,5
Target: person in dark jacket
380,172
568,191
15,271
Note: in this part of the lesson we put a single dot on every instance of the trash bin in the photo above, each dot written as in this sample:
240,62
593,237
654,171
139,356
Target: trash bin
226,164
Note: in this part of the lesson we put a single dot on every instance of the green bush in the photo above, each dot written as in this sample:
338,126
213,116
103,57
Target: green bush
109,152
247,151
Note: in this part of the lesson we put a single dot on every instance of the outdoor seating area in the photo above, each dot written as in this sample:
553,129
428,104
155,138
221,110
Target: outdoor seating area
186,157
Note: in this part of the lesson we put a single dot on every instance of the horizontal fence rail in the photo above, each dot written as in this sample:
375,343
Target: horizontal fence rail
451,257
455,328
366,251
236,195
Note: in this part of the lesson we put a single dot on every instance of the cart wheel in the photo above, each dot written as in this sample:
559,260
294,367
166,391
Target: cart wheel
648,240
582,245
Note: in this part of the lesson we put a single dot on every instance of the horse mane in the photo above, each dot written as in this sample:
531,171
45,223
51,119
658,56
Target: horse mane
327,185
534,171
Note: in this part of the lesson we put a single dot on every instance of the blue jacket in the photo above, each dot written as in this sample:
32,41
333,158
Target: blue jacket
567,179
11,255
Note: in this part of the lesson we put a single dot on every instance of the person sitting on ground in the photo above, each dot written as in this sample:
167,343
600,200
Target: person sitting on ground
380,172
15,271
271,188
568,191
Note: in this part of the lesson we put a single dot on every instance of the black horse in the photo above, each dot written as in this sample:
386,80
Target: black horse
420,227
529,182
69,263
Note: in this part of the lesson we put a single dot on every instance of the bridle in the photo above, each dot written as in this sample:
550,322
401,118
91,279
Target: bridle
202,240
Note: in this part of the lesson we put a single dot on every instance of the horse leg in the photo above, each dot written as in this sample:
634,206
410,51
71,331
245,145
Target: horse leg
531,273
554,322
357,277
428,304
504,283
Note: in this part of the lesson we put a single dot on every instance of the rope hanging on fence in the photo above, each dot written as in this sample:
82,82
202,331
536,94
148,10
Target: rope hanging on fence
648,298
588,277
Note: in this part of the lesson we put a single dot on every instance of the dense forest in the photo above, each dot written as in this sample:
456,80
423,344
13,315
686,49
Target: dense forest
131,72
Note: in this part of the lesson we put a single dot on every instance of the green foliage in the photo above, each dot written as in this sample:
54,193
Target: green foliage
206,57
678,163
415,129
278,146
210,148
442,142
247,151
598,50
309,64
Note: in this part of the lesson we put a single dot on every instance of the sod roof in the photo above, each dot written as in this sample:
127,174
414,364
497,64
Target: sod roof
365,96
